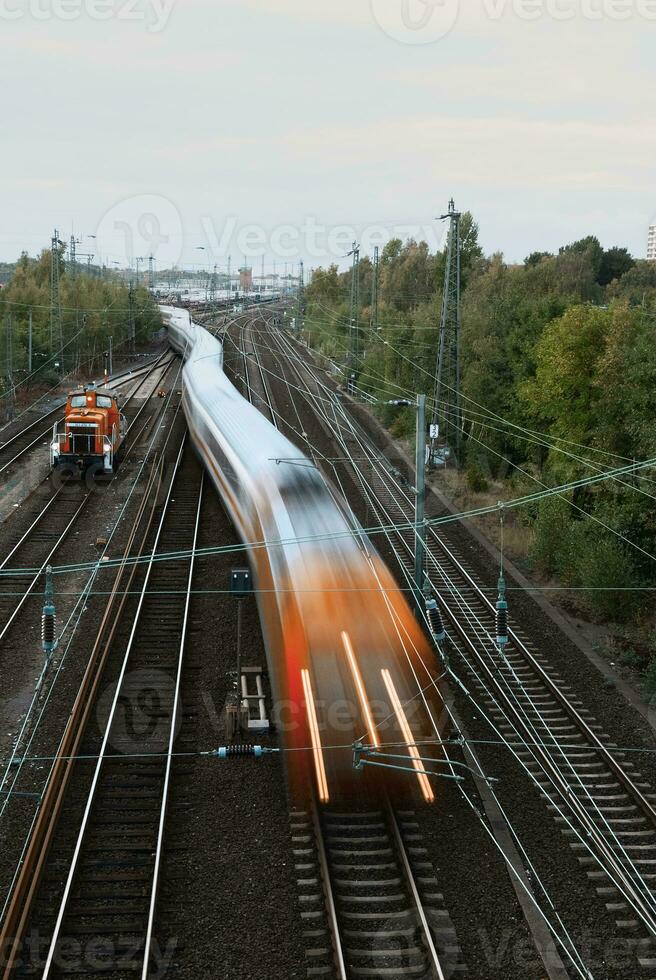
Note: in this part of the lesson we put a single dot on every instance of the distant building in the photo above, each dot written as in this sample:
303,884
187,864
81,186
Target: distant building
245,279
269,283
651,243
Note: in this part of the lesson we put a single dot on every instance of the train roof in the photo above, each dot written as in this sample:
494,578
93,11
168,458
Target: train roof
97,389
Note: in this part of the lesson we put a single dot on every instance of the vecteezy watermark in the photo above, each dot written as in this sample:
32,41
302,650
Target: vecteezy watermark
153,13
139,229
146,231
140,717
592,10
311,238
509,949
416,21
427,21
97,954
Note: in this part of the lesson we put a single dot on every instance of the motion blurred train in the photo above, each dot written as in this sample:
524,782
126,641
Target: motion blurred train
347,660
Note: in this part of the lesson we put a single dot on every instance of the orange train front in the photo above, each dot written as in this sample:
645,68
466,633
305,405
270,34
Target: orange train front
347,659
93,431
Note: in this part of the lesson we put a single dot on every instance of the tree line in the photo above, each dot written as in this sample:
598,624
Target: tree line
558,382
70,335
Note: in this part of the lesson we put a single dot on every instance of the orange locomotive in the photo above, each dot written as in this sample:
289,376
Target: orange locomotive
92,435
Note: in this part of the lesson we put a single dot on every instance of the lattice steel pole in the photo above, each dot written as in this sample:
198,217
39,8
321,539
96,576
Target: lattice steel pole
355,314
56,334
374,291
420,502
447,402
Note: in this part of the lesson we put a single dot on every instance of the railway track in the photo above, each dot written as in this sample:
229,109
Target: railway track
112,881
258,390
370,897
601,802
33,434
37,546
603,806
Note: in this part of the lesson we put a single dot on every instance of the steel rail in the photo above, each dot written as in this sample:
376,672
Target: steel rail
412,884
265,385
103,748
615,870
250,389
172,735
565,943
115,382
36,522
32,865
329,897
24,431
405,867
46,561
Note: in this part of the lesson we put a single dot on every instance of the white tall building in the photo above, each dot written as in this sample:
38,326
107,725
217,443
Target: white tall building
651,243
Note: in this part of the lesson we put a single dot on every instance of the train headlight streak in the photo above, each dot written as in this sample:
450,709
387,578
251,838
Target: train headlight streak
359,684
424,781
317,751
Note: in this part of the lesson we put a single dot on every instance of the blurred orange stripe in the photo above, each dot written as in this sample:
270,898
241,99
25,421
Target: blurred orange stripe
316,738
424,781
359,684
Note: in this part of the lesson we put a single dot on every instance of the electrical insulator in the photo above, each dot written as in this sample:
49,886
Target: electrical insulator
48,617
239,751
502,614
48,629
435,620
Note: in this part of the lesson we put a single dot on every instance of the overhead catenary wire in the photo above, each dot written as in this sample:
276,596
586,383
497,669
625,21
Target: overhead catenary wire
388,518
571,503
74,619
408,525
568,940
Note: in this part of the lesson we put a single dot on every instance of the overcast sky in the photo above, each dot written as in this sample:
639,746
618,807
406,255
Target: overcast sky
283,127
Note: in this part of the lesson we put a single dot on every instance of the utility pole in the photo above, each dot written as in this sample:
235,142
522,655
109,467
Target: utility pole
374,292
29,343
151,271
229,279
56,335
420,502
447,403
355,312
301,292
132,330
72,255
419,406
11,391
211,295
